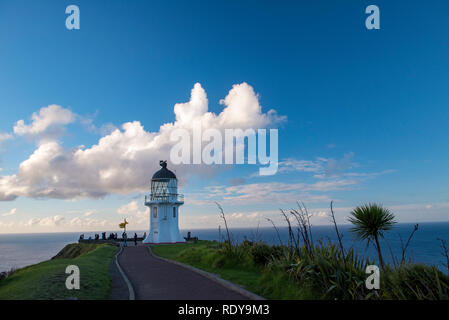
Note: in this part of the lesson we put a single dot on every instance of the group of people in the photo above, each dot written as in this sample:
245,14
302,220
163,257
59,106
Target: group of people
113,236
125,238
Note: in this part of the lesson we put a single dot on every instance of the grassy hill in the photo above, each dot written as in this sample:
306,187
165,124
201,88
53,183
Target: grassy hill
46,280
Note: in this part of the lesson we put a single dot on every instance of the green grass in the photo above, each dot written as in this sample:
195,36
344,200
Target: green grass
320,274
46,280
74,250
207,256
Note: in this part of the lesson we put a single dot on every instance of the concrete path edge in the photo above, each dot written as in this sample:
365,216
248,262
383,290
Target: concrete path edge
225,283
132,295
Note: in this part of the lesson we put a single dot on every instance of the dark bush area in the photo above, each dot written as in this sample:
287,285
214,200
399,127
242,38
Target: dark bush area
262,253
308,269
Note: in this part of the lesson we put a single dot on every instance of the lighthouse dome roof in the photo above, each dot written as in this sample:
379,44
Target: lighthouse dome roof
163,173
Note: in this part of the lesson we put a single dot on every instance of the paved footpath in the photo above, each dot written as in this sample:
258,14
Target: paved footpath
153,278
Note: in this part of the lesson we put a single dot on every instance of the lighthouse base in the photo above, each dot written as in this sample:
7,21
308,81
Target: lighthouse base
163,242
150,239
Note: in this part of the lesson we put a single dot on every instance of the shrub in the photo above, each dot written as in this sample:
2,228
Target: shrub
6,274
414,282
330,275
277,284
215,256
262,253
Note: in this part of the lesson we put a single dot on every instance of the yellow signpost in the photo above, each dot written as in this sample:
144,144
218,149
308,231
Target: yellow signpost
123,225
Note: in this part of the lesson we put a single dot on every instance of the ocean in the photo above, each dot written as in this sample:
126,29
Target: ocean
19,250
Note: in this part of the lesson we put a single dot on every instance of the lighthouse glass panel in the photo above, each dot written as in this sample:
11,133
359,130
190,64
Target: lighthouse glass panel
163,188
159,187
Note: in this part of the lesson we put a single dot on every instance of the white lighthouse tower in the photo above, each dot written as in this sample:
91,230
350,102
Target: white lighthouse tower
164,202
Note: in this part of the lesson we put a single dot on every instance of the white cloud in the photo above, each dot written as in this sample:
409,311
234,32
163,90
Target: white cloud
420,206
123,161
7,226
4,137
33,222
275,192
244,111
46,222
52,221
337,167
325,168
88,123
134,215
240,219
47,119
11,212
137,216
88,213
291,164
89,224
129,208
369,175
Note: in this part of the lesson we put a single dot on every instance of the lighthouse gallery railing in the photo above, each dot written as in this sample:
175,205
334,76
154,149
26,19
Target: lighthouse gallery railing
166,197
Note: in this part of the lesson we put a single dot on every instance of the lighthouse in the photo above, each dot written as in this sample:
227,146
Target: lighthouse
164,202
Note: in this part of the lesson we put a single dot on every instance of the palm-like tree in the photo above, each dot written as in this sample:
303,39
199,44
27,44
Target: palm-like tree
370,222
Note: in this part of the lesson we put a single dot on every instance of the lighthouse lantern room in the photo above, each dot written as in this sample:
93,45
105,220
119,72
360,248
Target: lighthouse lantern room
164,202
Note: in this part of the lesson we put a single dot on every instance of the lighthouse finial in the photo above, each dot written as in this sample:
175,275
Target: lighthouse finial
163,163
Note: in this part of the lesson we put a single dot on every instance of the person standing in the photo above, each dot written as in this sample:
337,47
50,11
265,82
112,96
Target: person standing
135,239
124,239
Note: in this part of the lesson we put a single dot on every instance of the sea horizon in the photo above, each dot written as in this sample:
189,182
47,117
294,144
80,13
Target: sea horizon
18,250
210,228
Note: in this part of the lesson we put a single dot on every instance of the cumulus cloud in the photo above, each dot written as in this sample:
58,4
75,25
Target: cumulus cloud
11,212
129,208
136,216
124,160
88,123
52,221
47,120
46,222
242,110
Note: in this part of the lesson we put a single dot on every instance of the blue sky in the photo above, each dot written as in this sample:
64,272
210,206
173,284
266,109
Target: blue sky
369,105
